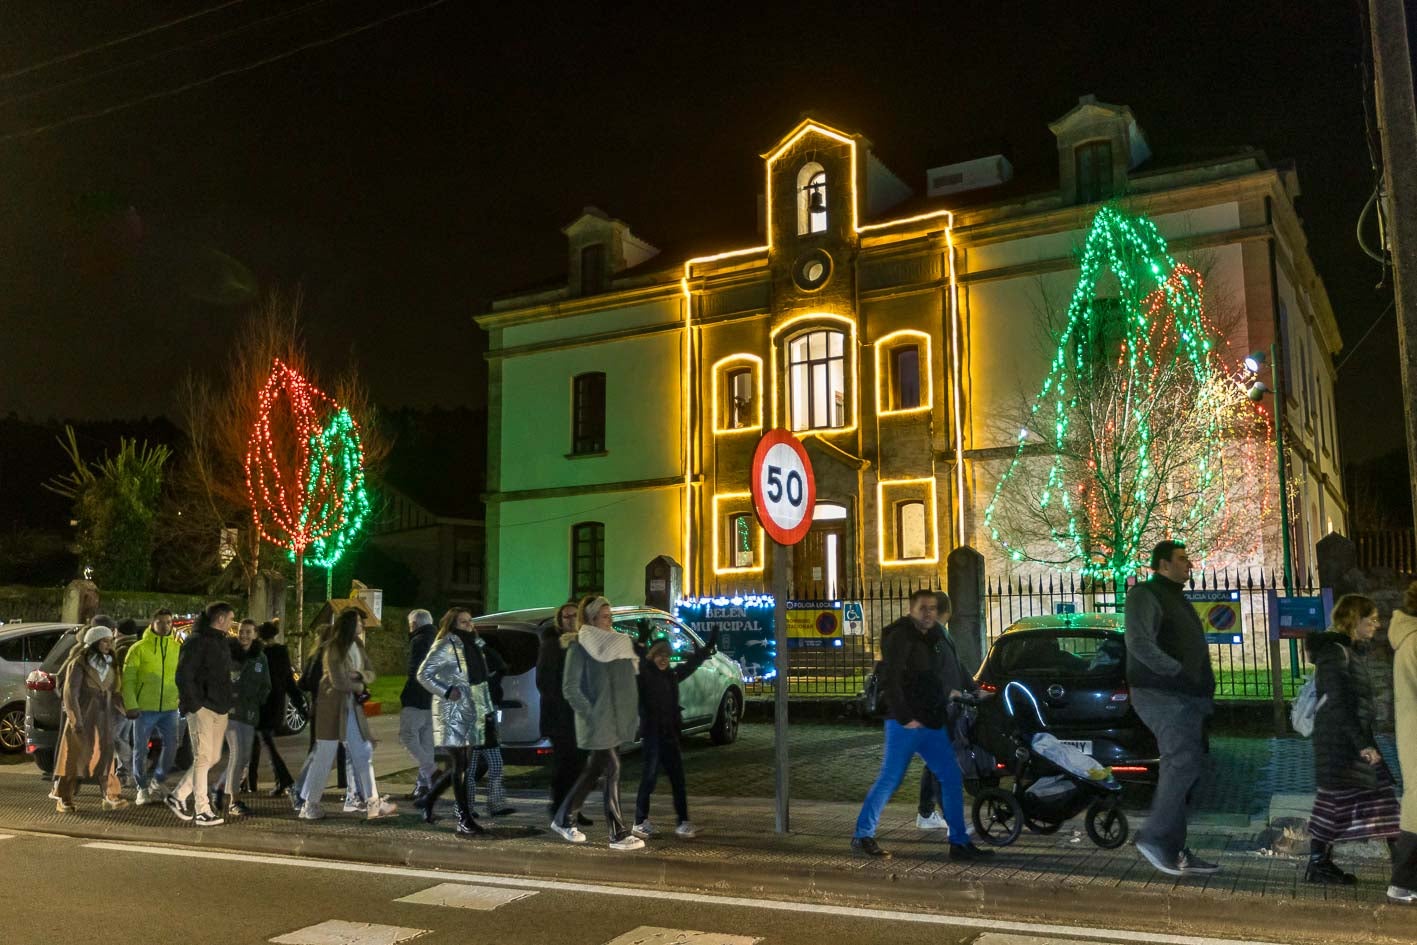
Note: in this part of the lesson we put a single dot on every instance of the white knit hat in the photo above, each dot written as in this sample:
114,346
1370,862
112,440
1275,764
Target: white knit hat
93,634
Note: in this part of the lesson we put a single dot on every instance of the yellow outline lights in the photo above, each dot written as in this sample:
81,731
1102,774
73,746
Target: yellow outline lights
927,373
758,547
931,521
757,369
855,392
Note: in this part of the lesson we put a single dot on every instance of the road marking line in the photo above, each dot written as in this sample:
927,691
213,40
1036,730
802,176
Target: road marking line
651,935
463,896
697,899
993,938
7,836
337,932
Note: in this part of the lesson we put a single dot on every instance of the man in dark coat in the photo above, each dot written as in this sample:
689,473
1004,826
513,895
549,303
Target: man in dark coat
956,679
416,704
1173,690
205,696
558,719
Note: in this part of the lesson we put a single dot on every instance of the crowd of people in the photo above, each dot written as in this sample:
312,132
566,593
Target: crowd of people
600,689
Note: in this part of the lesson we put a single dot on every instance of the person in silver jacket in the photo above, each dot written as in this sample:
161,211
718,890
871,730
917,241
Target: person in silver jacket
460,711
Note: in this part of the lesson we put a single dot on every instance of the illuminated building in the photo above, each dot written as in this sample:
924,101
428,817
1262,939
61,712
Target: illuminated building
894,333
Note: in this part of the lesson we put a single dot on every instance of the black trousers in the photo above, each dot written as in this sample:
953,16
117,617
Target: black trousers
929,793
1404,861
606,762
661,750
456,775
282,773
567,762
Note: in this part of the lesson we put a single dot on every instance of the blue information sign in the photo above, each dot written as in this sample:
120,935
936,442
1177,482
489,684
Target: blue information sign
1292,618
744,627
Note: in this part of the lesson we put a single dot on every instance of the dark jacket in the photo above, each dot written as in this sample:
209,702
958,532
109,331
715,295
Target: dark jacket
558,719
660,712
251,682
1166,645
414,696
283,687
1342,727
484,664
204,672
913,673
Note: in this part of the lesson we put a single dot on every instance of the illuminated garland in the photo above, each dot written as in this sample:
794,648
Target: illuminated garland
1145,433
305,478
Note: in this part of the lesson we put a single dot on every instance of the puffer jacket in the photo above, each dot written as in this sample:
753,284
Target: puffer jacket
204,672
1341,726
150,673
461,722
1402,634
250,682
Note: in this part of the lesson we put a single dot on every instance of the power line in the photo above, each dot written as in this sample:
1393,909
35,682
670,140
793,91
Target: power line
78,53
1354,350
123,67
225,73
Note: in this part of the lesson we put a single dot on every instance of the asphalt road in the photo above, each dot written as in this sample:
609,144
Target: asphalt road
66,889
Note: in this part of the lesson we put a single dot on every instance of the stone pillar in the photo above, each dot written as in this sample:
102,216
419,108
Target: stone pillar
80,602
268,598
1338,565
965,582
664,582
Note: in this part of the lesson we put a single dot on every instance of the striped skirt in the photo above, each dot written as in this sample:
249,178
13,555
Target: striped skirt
1375,814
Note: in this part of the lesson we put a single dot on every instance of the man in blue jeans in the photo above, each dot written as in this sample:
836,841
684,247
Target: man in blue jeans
919,703
150,692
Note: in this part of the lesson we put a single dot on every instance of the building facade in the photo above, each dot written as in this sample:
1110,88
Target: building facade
893,333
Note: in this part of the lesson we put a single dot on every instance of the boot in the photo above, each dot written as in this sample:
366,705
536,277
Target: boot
468,825
429,800
1321,868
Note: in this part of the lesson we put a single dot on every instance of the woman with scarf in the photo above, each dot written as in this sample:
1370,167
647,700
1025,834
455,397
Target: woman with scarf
599,683
93,704
460,711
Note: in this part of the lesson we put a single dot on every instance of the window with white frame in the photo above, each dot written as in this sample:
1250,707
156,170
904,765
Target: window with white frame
816,378
740,398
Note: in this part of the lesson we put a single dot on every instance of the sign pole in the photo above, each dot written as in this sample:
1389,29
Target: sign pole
781,563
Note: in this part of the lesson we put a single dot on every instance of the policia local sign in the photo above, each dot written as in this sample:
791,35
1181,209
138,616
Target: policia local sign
1220,615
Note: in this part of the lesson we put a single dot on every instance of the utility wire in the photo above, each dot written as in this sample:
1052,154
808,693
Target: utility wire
1354,350
225,73
78,53
123,67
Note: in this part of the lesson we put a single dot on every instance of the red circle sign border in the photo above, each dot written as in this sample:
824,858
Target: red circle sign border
782,536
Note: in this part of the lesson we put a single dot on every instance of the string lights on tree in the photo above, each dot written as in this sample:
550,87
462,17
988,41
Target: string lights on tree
1140,430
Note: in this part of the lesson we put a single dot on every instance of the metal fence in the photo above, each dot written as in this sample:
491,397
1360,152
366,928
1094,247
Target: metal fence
1242,669
1392,548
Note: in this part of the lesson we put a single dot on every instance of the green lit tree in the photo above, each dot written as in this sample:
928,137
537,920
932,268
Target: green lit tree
1139,432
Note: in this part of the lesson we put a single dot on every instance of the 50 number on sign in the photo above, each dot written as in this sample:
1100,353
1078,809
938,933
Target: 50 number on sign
795,490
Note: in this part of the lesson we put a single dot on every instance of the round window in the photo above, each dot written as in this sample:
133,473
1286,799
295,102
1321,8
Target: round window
812,270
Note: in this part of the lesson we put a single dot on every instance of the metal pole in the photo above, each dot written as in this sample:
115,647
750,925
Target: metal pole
1276,671
1397,127
781,563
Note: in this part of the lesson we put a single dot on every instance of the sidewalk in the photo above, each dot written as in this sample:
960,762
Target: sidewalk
1063,877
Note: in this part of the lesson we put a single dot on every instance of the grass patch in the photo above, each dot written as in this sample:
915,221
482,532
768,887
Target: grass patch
386,689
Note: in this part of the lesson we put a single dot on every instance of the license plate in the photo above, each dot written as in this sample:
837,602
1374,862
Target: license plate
1084,747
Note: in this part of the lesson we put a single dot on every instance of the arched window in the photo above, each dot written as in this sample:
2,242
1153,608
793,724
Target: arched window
811,199
816,380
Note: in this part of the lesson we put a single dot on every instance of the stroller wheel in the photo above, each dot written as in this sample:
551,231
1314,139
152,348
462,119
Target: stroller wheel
998,818
1107,824
1044,827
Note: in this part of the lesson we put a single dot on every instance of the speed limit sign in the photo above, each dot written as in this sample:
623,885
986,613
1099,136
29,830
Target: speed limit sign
784,490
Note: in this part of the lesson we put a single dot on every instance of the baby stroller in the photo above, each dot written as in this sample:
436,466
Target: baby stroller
1052,782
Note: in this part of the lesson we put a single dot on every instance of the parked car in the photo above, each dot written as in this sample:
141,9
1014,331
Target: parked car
712,697
1075,665
23,647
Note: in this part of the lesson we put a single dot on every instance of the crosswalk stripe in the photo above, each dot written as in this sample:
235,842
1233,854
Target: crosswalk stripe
463,896
339,932
7,836
997,938
651,935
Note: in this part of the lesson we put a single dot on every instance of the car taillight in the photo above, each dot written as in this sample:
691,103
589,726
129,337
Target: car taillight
543,751
1121,695
39,681
988,687
1129,769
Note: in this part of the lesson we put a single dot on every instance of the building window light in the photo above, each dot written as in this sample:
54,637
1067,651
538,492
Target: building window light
910,533
905,377
811,199
816,376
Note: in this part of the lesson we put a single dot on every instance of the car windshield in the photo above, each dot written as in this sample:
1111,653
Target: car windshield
1071,653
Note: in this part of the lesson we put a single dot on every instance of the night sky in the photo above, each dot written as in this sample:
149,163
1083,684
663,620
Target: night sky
404,175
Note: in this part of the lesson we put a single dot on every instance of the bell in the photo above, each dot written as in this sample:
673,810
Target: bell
816,203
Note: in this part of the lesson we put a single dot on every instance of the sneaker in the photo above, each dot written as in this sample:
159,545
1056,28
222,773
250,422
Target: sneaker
504,811
143,799
54,790
296,801
238,809
1153,855
63,807
569,834
1399,894
933,822
644,829
627,842
355,805
312,812
1192,865
178,808
867,846
686,831
208,819
968,851
381,807
114,803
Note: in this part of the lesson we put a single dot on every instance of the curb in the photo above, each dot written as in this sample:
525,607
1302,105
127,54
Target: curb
1188,912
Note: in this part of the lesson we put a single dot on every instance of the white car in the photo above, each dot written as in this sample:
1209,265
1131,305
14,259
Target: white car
23,647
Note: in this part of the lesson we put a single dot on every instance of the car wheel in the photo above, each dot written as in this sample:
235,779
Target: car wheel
44,761
1107,824
293,722
725,726
12,728
998,818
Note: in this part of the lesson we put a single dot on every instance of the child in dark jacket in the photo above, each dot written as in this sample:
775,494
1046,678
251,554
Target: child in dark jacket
661,720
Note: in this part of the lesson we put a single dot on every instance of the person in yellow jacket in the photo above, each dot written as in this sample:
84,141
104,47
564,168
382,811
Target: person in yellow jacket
150,692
